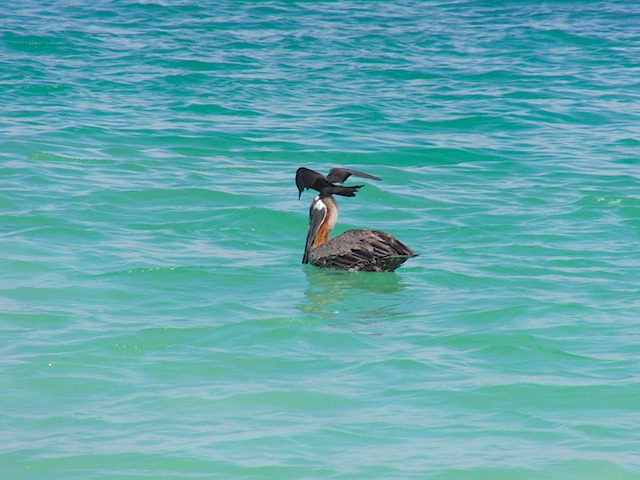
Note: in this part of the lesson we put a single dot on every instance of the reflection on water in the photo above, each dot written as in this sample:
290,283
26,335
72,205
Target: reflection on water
339,294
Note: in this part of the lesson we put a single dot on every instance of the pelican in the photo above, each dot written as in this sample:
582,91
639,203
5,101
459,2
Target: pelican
353,250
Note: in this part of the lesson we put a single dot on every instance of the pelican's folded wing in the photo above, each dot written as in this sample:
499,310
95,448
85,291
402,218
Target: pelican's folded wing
362,250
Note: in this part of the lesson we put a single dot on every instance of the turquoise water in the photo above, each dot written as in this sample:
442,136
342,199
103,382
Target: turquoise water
157,322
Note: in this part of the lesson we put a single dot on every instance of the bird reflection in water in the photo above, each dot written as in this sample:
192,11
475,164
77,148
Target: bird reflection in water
351,296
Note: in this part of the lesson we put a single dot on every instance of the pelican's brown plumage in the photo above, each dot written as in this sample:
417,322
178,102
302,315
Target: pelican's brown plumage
354,250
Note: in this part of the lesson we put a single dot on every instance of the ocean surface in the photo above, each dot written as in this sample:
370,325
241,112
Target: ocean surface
156,320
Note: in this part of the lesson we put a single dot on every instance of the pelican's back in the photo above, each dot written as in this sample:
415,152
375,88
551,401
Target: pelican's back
361,250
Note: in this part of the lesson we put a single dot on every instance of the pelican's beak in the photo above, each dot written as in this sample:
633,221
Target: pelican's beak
317,214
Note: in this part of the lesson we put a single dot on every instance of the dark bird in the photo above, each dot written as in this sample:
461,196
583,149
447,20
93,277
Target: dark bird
354,250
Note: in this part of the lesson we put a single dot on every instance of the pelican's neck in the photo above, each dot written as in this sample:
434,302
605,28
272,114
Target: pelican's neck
330,219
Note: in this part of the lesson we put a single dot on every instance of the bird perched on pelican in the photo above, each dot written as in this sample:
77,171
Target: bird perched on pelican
353,250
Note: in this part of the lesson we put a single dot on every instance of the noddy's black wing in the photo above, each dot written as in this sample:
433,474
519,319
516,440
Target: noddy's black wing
307,178
339,175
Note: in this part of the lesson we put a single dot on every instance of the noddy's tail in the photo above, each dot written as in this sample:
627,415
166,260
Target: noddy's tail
342,190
